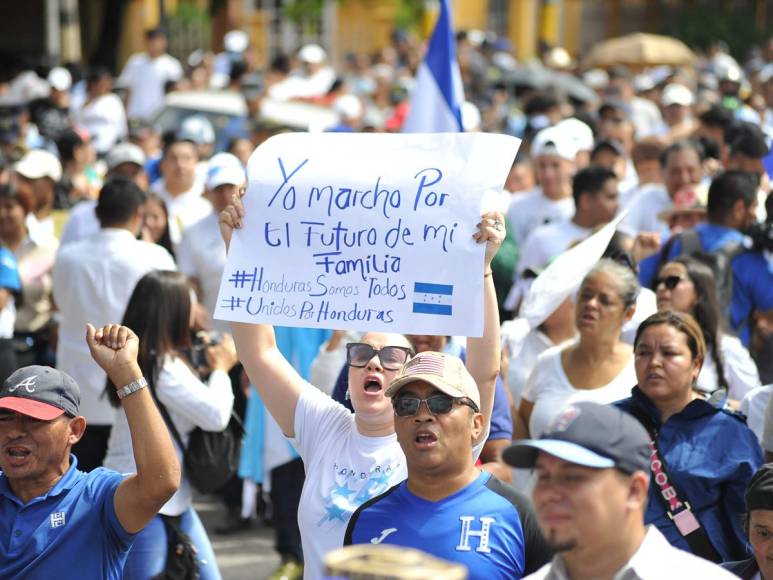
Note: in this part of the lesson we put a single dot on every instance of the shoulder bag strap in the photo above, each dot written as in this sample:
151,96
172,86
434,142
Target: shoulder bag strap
170,425
677,507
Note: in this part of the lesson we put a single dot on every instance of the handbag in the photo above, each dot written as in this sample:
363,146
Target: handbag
211,457
678,509
181,563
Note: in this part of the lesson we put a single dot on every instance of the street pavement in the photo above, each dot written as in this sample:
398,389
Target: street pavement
245,555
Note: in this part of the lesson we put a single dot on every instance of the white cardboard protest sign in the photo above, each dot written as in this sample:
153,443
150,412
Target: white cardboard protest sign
365,232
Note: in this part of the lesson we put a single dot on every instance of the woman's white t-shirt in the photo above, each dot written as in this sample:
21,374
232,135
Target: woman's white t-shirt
190,404
344,469
550,390
740,369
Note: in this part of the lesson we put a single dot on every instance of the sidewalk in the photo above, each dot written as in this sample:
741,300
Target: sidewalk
247,555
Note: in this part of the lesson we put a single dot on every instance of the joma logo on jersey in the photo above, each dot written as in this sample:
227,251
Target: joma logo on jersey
28,384
483,534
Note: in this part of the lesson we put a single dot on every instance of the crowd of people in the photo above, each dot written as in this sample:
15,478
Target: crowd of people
621,431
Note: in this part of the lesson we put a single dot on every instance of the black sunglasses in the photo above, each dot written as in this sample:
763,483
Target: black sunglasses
671,282
439,404
392,358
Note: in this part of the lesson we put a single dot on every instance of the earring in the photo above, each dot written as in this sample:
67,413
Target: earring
347,396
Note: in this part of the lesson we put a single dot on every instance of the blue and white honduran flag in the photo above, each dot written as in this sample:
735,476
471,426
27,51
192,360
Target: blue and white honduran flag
430,298
438,93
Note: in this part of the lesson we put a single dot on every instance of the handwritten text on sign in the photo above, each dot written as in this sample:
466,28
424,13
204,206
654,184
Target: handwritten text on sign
364,232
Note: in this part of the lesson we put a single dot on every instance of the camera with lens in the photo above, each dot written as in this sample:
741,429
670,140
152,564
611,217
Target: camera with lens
202,340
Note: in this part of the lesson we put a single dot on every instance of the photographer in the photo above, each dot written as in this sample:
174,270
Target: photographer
160,313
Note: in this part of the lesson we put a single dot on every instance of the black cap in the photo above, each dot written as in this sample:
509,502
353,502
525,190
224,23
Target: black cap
759,494
40,392
591,435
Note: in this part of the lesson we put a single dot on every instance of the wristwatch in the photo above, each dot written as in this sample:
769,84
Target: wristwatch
132,387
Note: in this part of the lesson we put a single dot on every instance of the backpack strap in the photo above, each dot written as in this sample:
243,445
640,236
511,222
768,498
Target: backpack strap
677,507
691,242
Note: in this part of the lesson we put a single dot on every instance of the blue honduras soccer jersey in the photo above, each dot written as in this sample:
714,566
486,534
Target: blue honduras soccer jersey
487,526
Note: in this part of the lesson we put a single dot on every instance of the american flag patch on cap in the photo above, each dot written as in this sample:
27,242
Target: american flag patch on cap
429,363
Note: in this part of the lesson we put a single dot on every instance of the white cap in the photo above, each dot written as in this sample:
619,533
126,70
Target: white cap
579,132
348,107
596,78
236,41
312,53
125,153
224,168
197,129
675,94
38,163
59,78
552,141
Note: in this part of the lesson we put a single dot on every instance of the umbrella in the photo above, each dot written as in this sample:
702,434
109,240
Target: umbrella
638,51
537,76
572,87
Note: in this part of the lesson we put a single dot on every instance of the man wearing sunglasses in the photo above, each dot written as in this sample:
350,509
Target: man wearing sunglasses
448,507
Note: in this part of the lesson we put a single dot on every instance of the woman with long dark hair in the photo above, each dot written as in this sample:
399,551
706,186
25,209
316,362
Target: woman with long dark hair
687,285
159,313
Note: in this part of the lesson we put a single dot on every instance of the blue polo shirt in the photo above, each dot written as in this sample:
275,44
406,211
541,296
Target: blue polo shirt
486,526
72,529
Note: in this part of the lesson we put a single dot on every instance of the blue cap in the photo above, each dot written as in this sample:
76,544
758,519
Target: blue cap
591,435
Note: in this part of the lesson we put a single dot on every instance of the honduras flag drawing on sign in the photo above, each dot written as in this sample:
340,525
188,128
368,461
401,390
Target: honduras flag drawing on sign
438,94
432,298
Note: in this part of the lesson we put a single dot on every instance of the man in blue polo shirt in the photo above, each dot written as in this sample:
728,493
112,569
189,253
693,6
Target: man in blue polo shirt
447,507
55,519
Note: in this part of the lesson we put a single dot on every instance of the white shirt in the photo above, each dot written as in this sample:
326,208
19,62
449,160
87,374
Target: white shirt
145,78
35,264
40,231
8,318
549,389
644,209
105,120
532,209
548,241
344,469
524,346
82,222
93,281
328,364
646,306
185,209
655,559
201,255
753,406
190,404
740,369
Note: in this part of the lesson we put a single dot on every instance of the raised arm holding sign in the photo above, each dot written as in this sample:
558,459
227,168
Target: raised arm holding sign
433,254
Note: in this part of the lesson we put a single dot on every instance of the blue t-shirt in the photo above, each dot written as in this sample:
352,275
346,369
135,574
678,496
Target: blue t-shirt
487,526
71,530
9,271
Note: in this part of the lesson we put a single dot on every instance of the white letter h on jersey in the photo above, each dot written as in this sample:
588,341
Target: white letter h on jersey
483,534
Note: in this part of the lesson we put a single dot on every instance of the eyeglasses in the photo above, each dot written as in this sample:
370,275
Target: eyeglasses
671,282
408,406
358,354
